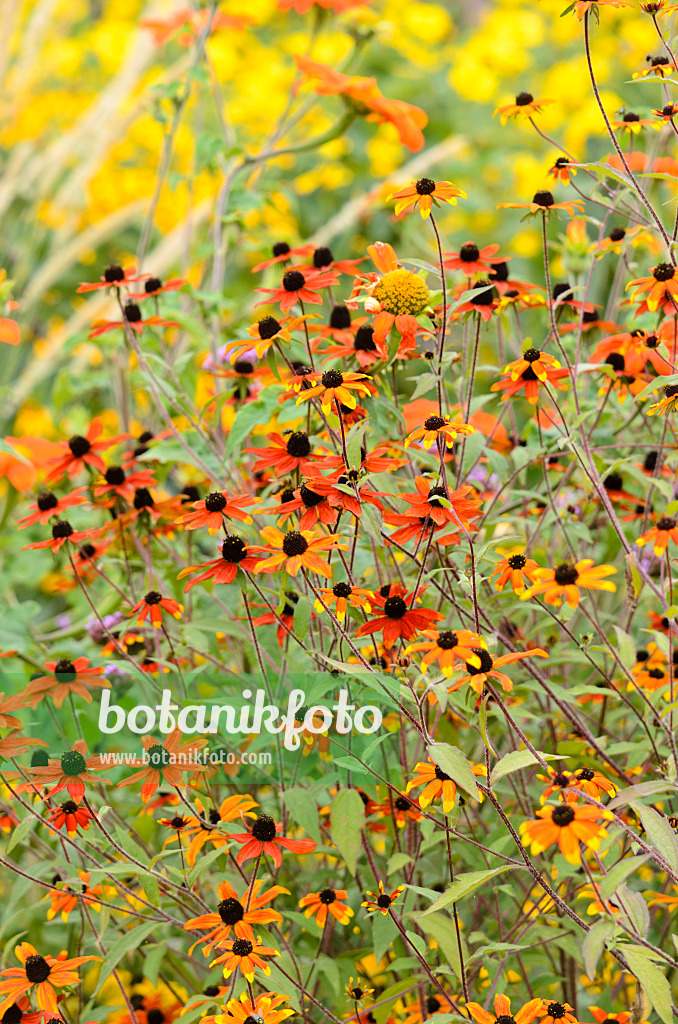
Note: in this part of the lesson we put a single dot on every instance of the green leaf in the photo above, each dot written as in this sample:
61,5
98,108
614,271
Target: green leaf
594,944
131,940
452,761
659,832
391,995
652,979
642,789
347,817
302,617
351,765
618,873
517,760
626,648
443,930
462,886
303,810
20,832
354,442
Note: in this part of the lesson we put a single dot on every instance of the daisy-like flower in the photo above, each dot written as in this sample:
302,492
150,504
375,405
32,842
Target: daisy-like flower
9,704
266,1009
556,1013
63,901
155,286
65,677
664,530
588,780
299,286
263,837
284,454
446,647
47,505
661,899
567,825
522,374
167,763
514,569
327,901
204,827
46,973
70,772
80,451
235,555
70,816
661,284
62,532
477,676
344,596
117,482
236,913
544,203
132,319
565,580
334,386
113,277
442,506
323,259
436,427
425,193
502,1011
658,65
398,618
295,549
154,604
437,784
381,901
210,511
472,260
263,336
667,403
633,124
368,99
524,106
359,991
245,956
667,112
483,300
562,170
283,253
601,1016
395,294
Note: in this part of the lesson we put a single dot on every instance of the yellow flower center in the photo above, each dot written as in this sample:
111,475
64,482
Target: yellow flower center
401,291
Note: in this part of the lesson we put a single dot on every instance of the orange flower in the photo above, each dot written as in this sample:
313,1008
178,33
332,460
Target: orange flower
661,284
132,320
264,838
210,512
381,901
65,900
284,454
586,779
235,554
426,193
66,677
299,286
263,336
502,1011
265,1009
514,568
446,647
581,7
48,505
664,530
407,119
71,771
46,973
398,619
562,170
668,402
556,1013
476,677
567,825
333,386
659,65
167,763
564,581
525,106
544,203
245,956
436,782
237,913
80,451
345,597
443,506
154,604
70,815
319,904
436,427
534,368
296,549
205,828
113,277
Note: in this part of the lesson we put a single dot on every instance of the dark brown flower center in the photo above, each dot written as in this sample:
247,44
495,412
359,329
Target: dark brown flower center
46,501
523,99
342,590
531,355
562,816
143,499
114,273
293,281
566,574
517,562
364,339
327,896
263,828
64,670
340,318
617,234
447,640
242,947
486,662
309,497
153,597
132,313
37,969
332,379
215,502
395,608
322,257
281,249
666,524
298,445
233,549
268,327
294,544
384,901
663,272
231,911
469,252
115,475
61,529
543,198
79,446
434,423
